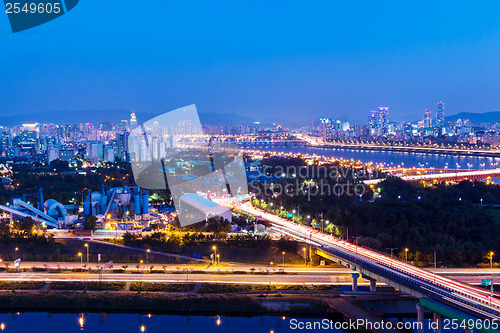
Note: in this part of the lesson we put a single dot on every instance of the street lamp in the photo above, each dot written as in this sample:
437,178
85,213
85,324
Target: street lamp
305,257
81,264
406,255
15,253
283,253
270,270
215,254
87,246
140,265
147,257
491,259
218,260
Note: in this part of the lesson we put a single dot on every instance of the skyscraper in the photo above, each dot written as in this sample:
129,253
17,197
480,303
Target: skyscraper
427,119
372,119
133,121
383,116
440,115
379,120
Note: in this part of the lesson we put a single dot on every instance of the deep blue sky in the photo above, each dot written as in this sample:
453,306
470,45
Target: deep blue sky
298,59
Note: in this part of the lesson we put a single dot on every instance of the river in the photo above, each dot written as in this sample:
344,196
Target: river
395,158
45,322
124,323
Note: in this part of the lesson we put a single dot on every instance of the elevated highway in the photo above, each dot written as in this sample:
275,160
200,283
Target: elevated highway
472,301
473,175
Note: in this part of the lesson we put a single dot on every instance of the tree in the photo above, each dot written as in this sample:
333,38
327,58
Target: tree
4,228
90,223
27,225
129,238
218,225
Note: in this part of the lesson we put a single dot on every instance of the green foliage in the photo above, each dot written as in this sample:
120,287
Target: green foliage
83,285
27,225
163,287
21,285
90,223
218,225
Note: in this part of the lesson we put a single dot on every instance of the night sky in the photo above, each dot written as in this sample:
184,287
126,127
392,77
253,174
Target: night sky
284,59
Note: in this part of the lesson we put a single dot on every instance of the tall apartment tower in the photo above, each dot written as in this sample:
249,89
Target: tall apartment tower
133,121
383,116
440,115
427,119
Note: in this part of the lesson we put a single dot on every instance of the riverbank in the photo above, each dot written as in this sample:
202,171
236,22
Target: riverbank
161,302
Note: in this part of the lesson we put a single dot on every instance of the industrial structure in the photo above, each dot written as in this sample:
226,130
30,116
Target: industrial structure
120,204
117,202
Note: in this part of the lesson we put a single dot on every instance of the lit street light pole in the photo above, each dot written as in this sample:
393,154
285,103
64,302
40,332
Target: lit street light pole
305,257
147,257
15,253
215,254
142,272
81,265
270,271
87,246
491,259
406,255
283,253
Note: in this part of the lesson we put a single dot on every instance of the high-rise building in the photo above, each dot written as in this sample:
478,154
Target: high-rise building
325,128
427,119
26,140
440,115
122,146
133,121
372,119
383,116
379,120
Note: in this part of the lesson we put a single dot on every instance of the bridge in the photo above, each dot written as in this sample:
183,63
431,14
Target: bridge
399,147
444,296
455,176
240,140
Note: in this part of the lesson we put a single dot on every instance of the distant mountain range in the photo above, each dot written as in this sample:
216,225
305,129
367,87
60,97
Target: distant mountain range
477,118
115,116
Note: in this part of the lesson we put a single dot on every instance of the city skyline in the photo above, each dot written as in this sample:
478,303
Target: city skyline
306,63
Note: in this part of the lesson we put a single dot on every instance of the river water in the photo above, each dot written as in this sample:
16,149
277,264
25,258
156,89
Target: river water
44,322
395,158
125,323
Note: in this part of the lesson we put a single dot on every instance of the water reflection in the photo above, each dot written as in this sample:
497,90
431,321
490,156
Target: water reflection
124,323
403,159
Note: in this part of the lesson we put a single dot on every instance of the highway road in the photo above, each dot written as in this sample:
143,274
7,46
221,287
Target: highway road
301,279
460,294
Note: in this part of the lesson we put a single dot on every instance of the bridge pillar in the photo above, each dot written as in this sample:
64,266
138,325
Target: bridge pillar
373,283
420,317
355,277
436,318
373,286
